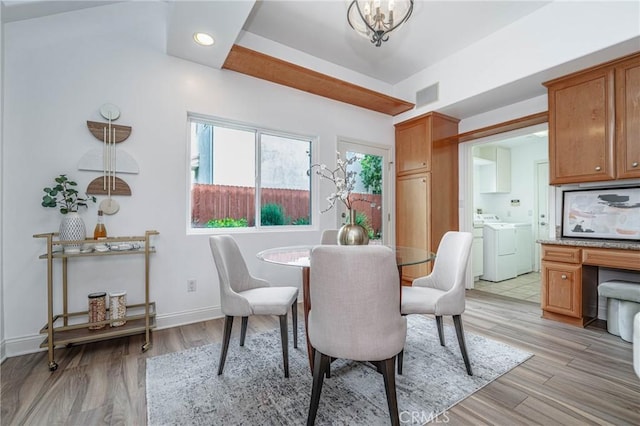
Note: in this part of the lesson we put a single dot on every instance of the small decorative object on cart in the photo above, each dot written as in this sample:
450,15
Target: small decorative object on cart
97,309
118,308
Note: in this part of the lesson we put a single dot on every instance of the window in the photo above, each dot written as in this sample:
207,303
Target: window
248,177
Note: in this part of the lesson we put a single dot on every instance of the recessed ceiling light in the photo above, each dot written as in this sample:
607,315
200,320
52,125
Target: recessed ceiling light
203,39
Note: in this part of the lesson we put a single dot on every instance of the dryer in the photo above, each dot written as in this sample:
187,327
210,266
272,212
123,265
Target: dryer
524,248
499,252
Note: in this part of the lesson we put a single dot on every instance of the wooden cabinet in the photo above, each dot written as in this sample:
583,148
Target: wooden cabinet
412,207
413,153
426,184
569,279
594,120
561,279
562,289
628,118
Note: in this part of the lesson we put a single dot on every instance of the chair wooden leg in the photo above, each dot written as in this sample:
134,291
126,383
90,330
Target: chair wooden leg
228,324
400,359
320,364
243,330
294,315
284,335
388,372
457,321
440,329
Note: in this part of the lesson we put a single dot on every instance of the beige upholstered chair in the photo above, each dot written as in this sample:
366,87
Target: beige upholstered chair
329,236
442,292
242,295
355,301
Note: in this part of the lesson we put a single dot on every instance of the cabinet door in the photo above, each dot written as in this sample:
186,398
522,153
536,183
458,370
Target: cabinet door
581,128
413,146
412,212
562,288
628,118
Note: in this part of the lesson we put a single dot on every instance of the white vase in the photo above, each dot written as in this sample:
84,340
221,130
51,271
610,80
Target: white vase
71,229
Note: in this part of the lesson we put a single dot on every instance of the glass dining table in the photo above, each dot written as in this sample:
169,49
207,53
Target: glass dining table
299,256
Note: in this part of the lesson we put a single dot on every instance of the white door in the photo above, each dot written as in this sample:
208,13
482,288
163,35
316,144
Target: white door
372,169
541,224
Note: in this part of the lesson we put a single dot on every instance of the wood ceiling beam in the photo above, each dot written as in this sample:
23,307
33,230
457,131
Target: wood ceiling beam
259,65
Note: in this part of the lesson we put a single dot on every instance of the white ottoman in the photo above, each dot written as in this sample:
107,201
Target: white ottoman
636,344
623,303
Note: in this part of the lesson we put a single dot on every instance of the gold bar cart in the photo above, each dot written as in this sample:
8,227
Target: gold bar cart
60,331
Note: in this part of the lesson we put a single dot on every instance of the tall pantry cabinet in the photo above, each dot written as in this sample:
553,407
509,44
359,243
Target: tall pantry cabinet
426,185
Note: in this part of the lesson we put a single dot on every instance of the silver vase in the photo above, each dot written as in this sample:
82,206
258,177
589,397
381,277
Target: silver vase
71,229
352,234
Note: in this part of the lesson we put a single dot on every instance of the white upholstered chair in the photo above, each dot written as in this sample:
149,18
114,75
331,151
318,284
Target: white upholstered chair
442,292
329,236
355,314
242,295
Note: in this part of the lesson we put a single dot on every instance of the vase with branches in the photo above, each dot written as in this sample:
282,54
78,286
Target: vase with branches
344,181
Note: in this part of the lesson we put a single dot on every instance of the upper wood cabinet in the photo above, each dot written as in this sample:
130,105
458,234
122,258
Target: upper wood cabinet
414,141
413,150
594,120
628,118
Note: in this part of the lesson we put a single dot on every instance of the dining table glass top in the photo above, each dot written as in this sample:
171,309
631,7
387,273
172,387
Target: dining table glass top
300,255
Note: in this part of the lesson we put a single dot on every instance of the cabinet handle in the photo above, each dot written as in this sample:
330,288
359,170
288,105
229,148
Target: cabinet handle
424,180
634,164
564,277
598,168
424,164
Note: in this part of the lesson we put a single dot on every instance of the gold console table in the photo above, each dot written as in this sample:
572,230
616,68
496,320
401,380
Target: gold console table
140,318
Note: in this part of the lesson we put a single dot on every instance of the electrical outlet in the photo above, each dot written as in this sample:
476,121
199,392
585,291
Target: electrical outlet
191,285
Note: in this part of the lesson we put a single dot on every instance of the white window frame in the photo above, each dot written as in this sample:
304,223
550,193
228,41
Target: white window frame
259,130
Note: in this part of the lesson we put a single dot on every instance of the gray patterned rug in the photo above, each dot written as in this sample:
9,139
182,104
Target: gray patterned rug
183,387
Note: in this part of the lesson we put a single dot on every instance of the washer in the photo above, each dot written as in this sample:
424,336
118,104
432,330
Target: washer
499,251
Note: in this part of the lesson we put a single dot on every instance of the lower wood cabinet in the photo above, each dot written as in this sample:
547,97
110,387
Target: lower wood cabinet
569,279
412,223
562,289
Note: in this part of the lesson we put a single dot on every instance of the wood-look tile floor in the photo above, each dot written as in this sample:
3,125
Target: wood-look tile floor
523,287
576,377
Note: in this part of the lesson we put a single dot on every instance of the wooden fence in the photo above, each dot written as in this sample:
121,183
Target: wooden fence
236,202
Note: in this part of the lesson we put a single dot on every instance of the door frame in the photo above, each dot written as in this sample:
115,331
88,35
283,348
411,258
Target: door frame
388,174
465,159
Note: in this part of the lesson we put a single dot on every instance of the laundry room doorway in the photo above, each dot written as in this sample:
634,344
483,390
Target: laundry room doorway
502,208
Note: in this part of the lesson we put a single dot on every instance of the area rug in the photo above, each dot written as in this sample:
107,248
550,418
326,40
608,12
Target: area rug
183,388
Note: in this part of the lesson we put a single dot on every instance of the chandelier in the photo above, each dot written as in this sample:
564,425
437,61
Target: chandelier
376,19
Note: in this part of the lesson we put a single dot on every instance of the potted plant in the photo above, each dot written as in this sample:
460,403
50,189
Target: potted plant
65,197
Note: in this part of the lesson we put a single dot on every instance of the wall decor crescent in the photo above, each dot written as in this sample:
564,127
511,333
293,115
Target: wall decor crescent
118,187
98,130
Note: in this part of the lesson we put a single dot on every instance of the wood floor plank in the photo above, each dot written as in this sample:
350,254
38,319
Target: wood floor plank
576,377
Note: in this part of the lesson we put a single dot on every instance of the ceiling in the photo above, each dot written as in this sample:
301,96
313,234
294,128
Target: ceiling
435,30
315,35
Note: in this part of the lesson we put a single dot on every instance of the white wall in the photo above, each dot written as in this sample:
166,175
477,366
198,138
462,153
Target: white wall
537,47
2,322
58,71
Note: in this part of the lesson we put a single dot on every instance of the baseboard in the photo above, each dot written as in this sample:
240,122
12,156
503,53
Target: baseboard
31,344
3,353
177,319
